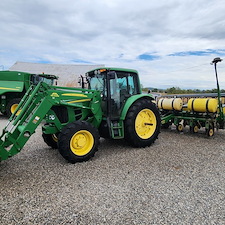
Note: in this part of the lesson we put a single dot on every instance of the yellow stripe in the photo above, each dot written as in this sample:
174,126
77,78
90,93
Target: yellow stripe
82,100
4,88
72,94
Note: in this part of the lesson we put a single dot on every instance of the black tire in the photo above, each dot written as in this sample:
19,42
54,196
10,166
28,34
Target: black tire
51,140
165,125
179,127
194,129
138,133
69,138
10,108
4,113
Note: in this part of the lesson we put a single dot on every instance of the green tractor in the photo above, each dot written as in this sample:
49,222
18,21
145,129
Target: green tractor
109,105
13,86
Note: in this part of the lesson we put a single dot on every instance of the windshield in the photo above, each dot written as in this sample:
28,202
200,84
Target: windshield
35,79
48,81
96,82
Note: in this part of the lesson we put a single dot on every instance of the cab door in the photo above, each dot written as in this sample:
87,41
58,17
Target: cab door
120,86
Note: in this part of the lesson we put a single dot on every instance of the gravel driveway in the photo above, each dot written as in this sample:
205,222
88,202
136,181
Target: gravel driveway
178,180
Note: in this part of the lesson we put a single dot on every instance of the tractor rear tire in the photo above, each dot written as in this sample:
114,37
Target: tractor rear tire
51,140
78,141
11,106
142,124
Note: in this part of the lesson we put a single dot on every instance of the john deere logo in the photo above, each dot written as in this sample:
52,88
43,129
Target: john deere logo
54,95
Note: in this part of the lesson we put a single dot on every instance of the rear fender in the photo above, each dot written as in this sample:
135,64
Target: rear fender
130,102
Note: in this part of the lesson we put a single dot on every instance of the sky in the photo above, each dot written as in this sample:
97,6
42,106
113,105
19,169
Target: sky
170,42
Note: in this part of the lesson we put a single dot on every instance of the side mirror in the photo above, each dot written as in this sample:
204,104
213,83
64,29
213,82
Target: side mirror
79,81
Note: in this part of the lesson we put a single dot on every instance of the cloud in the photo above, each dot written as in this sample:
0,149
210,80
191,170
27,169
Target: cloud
161,39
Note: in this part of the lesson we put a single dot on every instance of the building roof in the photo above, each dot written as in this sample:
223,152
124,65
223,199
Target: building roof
68,73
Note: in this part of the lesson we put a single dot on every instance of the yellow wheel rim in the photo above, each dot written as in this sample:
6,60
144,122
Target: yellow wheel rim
180,127
81,142
145,123
196,129
211,132
13,108
54,138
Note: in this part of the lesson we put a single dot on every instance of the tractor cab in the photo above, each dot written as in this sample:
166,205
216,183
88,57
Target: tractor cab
116,86
49,79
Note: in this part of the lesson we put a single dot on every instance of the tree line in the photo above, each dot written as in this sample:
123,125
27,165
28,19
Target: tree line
177,90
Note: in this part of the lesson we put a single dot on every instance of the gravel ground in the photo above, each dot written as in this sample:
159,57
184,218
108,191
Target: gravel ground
180,179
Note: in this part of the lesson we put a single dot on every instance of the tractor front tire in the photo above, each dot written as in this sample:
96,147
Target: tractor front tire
11,106
142,124
78,141
51,140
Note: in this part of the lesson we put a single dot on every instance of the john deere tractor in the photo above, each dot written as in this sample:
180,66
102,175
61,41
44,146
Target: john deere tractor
109,105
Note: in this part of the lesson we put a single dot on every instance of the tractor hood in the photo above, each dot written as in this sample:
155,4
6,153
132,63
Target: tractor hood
11,86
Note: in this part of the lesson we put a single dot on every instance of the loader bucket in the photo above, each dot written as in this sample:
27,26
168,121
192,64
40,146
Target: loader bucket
4,154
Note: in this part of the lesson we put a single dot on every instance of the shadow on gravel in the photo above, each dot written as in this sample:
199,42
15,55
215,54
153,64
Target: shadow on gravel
200,134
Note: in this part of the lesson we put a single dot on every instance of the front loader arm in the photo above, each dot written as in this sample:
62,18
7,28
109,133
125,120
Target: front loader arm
23,123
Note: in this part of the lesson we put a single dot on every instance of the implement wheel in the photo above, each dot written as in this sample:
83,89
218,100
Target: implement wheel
195,128
179,127
142,124
210,131
51,140
78,141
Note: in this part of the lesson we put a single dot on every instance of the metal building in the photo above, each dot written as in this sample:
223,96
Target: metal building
68,73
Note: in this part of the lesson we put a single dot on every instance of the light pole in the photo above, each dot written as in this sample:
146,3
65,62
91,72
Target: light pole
215,61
